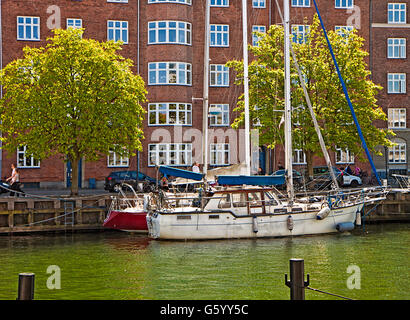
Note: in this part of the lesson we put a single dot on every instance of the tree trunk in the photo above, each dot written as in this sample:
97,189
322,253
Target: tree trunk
309,164
74,177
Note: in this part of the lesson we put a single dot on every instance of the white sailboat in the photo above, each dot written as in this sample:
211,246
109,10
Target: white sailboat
254,210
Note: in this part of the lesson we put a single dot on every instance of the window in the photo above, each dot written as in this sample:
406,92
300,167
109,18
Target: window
219,154
28,28
258,3
299,156
396,13
343,156
120,1
219,75
219,35
397,153
396,83
396,48
26,161
117,31
397,118
74,23
219,3
169,32
300,3
172,154
344,4
343,30
169,114
172,1
219,115
169,73
115,160
255,37
300,33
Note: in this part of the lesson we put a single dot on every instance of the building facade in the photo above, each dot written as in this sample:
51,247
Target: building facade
165,39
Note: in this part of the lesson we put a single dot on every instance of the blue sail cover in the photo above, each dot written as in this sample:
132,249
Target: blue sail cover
251,180
170,171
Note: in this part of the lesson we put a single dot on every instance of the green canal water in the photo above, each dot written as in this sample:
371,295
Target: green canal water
122,266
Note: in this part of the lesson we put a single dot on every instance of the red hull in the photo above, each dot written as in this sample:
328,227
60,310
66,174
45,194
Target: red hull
128,221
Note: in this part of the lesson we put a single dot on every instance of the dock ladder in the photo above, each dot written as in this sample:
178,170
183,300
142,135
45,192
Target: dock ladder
69,213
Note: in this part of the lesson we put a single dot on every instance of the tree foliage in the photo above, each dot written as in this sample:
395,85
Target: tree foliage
75,97
266,93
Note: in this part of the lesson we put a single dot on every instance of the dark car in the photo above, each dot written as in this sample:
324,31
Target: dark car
297,178
114,180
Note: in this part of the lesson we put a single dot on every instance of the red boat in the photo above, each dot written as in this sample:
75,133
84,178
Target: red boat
127,220
127,213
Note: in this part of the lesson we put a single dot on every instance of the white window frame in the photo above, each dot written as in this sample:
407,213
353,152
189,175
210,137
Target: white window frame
397,118
218,32
23,158
219,3
299,157
301,3
180,27
394,80
171,154
219,154
398,152
121,28
260,4
396,8
343,156
396,48
222,118
255,37
155,110
341,30
172,71
218,75
300,31
73,23
26,25
187,2
118,1
114,160
344,4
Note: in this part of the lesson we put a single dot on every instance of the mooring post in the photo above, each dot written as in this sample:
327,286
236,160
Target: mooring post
26,286
297,275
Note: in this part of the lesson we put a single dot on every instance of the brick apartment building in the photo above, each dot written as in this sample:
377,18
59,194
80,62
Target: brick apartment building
165,39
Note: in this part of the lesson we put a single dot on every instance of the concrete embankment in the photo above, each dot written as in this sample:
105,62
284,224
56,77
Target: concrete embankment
87,213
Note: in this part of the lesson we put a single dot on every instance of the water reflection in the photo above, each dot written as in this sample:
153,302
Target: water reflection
116,265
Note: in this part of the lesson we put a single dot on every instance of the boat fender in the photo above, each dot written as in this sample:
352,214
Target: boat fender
358,218
290,223
345,226
146,202
323,213
255,224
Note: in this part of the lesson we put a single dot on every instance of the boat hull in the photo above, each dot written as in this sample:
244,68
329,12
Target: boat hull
227,225
126,221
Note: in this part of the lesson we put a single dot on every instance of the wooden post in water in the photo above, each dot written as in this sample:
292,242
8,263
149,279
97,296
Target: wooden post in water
26,286
297,275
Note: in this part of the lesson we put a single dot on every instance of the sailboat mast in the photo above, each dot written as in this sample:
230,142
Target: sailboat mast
246,86
288,107
206,90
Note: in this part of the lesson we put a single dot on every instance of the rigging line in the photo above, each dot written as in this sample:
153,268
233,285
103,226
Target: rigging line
369,157
331,294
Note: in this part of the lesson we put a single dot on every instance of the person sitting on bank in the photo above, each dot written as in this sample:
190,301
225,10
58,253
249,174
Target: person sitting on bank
15,182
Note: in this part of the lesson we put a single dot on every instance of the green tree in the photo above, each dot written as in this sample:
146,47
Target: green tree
75,97
266,93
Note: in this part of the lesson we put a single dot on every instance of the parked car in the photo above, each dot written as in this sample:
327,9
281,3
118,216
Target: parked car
297,179
323,179
114,179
